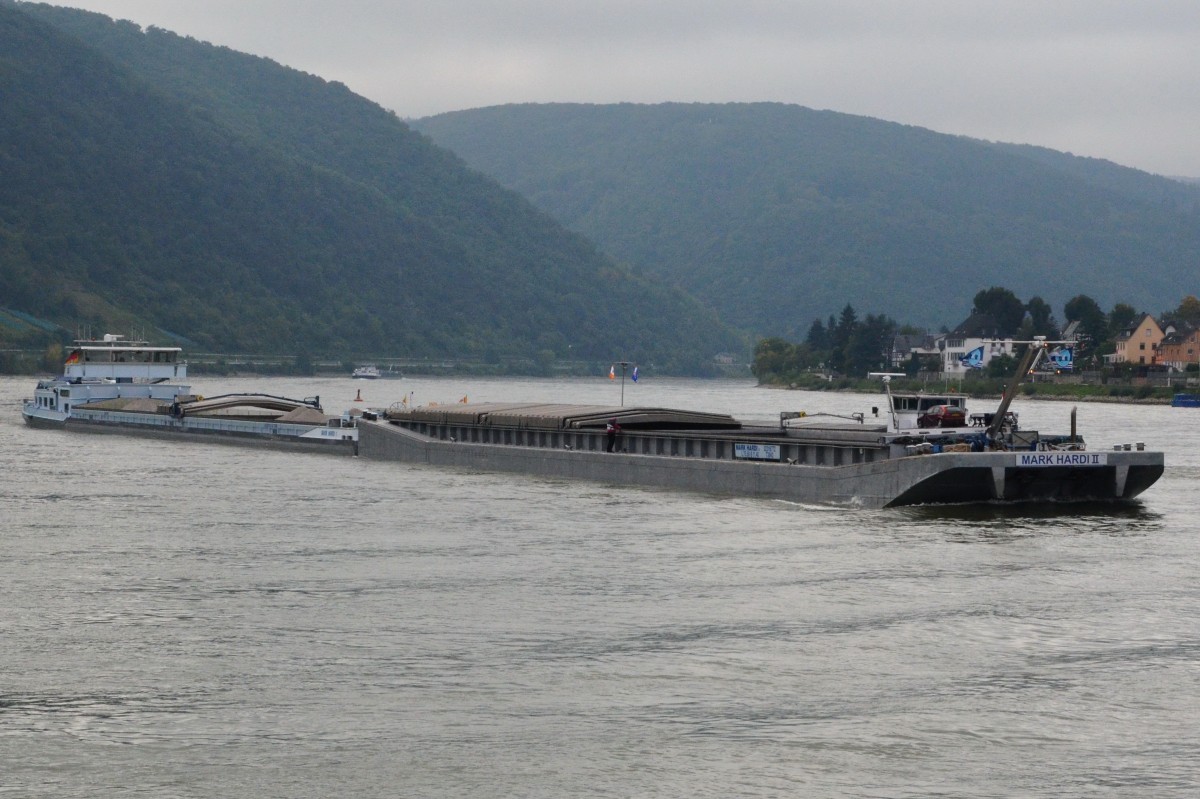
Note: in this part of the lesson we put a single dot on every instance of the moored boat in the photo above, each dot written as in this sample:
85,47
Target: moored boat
366,373
1185,401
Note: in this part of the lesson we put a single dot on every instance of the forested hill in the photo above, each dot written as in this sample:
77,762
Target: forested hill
151,180
779,214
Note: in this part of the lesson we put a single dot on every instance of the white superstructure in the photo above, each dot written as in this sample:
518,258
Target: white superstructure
120,361
107,369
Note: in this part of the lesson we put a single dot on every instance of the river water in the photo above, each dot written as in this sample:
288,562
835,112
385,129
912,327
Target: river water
204,620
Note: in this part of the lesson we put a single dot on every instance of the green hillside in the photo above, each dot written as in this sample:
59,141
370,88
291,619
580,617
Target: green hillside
777,214
153,180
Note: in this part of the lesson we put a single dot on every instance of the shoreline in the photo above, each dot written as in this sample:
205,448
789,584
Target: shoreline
1037,396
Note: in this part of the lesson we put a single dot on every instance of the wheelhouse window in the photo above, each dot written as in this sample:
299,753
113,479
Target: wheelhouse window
129,356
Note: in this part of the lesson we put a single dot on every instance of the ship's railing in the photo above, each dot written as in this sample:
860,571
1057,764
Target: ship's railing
166,422
674,445
125,371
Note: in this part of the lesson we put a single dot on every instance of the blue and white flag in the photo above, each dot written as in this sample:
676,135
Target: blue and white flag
1063,358
973,359
635,375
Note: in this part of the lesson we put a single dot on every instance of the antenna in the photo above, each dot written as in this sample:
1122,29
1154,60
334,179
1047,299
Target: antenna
887,386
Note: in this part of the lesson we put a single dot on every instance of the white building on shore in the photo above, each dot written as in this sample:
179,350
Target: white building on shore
972,345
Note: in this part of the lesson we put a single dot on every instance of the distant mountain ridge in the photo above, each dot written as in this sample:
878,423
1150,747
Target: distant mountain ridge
778,214
150,178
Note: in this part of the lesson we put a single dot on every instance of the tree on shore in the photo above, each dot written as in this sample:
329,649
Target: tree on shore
1003,306
851,347
1188,311
1120,317
1093,322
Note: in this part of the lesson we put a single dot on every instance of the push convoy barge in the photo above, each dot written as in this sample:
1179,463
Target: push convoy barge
860,464
118,386
924,449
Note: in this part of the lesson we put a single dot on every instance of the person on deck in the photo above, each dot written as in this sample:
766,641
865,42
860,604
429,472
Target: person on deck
613,431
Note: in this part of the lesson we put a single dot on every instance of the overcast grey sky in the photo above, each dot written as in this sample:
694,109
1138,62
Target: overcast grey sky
1115,79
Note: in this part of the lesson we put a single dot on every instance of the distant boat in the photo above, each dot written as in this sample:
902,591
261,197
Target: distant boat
1186,401
366,373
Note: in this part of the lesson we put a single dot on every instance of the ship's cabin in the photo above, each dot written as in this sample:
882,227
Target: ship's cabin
908,410
114,359
50,395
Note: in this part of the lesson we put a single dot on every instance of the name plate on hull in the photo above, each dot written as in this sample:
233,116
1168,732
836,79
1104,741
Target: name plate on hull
756,452
1062,459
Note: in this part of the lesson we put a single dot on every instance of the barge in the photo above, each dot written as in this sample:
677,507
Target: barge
923,449
113,385
858,463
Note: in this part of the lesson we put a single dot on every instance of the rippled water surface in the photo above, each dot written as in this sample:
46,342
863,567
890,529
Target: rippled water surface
199,620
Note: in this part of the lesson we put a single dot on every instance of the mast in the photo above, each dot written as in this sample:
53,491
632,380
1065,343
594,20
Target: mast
887,387
1036,348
